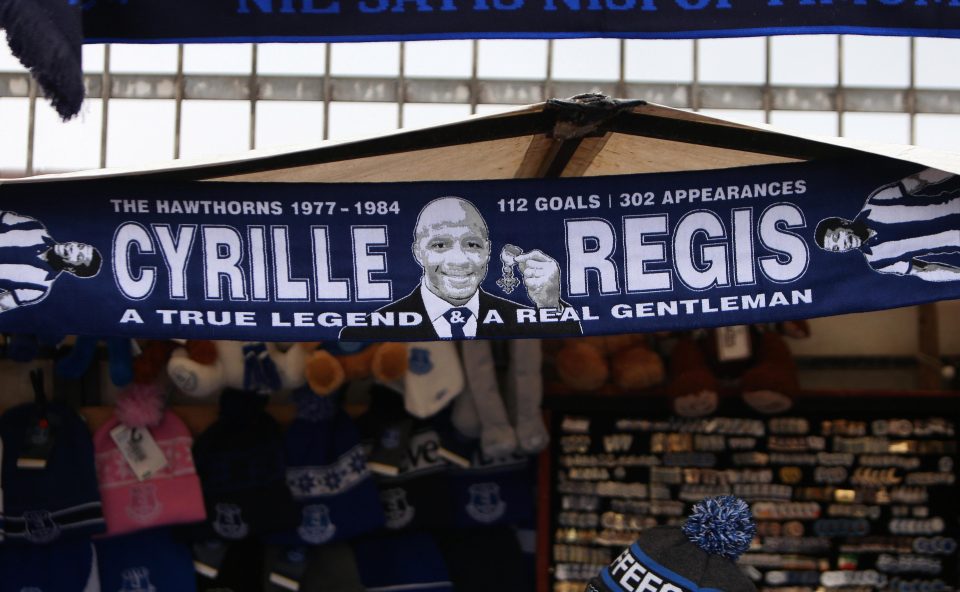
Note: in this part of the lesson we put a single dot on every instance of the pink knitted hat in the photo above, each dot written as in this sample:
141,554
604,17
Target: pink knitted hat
170,496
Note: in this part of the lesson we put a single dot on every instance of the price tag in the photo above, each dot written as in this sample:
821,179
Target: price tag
208,557
284,582
288,570
139,449
733,343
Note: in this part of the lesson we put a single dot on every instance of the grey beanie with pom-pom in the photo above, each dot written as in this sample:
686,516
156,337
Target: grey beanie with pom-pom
698,557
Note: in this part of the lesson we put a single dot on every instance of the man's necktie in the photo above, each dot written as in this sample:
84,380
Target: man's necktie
457,317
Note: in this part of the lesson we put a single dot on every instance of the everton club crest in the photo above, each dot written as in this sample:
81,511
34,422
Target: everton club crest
399,513
315,527
136,579
40,527
229,523
144,505
485,505
419,362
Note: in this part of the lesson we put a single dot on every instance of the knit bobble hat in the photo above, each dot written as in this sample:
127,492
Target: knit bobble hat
171,495
335,493
146,561
59,500
240,460
699,556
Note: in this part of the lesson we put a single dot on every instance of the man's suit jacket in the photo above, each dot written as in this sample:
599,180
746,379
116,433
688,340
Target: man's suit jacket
413,302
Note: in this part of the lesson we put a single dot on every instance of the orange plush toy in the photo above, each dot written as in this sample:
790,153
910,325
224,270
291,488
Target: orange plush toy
626,361
754,359
332,364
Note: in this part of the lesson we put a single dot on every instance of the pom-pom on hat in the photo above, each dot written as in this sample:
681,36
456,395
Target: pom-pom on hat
699,556
141,406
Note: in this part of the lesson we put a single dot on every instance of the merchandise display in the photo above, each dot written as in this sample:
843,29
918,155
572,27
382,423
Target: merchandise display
540,350
845,491
393,494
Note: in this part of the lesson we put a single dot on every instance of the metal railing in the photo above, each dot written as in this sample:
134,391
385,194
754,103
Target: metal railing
474,91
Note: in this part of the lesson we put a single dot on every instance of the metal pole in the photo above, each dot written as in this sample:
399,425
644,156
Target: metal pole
105,99
841,97
622,75
178,103
327,90
695,83
474,83
401,84
31,126
254,93
912,91
767,92
548,79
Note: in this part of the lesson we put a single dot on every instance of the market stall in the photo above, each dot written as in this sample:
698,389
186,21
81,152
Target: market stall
454,250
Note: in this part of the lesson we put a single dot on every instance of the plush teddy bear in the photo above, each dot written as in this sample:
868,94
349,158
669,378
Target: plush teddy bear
329,365
589,363
245,365
756,359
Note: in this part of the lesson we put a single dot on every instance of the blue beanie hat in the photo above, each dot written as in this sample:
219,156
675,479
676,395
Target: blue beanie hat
327,474
418,495
240,461
145,561
409,561
64,566
488,491
493,491
39,507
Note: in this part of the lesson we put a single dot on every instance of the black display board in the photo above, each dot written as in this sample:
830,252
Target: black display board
849,492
